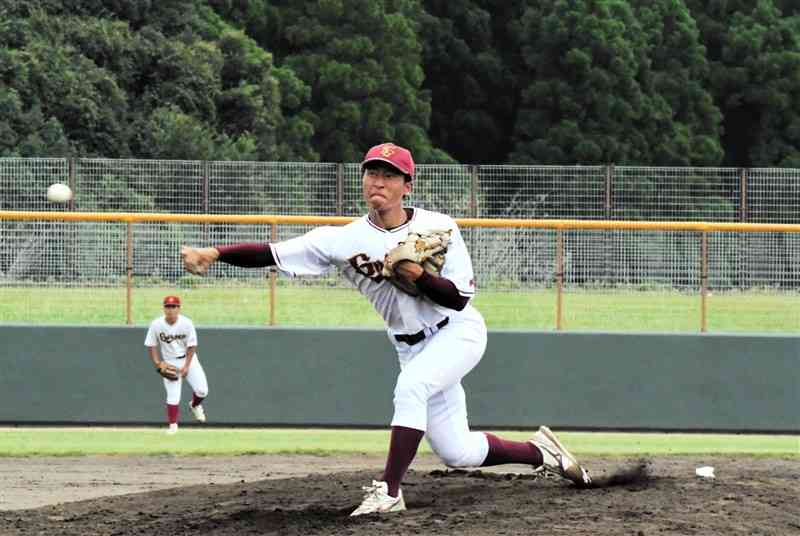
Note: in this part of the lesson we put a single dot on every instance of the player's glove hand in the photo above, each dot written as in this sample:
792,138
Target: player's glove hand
197,260
426,249
167,371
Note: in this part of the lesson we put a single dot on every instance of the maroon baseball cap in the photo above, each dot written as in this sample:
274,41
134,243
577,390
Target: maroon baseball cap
392,154
172,300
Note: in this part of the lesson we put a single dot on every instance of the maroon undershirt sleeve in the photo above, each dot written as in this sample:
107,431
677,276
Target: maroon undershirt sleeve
247,255
253,255
442,291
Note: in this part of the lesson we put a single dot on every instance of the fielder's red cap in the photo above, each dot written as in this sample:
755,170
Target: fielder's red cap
172,300
392,154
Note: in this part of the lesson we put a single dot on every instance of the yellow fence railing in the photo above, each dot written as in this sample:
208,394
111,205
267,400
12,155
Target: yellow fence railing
266,219
703,229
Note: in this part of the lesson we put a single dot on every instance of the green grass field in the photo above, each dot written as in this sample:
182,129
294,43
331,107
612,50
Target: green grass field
35,441
666,311
319,307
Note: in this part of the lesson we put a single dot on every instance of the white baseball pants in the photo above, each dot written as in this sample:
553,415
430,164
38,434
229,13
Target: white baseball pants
428,395
196,378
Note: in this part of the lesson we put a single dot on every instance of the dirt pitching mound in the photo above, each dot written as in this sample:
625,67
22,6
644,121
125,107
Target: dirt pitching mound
635,474
639,498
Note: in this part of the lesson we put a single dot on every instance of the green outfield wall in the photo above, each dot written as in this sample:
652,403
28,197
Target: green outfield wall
285,376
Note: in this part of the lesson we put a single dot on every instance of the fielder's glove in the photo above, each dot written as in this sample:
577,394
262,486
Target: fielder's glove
426,249
167,371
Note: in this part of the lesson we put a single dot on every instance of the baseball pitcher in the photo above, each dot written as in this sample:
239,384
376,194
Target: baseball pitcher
414,267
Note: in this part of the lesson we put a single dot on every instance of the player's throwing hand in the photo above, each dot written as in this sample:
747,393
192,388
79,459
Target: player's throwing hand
197,260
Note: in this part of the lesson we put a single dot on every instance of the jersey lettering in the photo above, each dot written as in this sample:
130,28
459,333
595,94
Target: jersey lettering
369,269
164,337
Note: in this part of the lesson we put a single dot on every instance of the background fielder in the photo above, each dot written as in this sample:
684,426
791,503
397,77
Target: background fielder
439,337
172,344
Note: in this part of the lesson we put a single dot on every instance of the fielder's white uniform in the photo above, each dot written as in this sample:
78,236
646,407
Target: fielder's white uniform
173,340
428,395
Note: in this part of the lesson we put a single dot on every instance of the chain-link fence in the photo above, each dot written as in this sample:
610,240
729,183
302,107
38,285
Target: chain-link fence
90,260
575,192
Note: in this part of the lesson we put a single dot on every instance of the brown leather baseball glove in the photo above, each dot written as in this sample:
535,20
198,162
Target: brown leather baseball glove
167,371
427,249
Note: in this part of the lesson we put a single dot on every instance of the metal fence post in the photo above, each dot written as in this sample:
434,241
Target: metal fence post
743,274
204,202
70,245
473,205
559,277
703,280
609,200
129,278
473,194
608,235
339,189
743,176
72,181
273,278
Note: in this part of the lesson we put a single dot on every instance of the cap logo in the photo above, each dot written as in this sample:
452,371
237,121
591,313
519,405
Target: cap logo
388,150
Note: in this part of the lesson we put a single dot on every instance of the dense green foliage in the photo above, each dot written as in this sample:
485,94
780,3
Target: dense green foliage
145,79
606,82
754,53
468,70
649,82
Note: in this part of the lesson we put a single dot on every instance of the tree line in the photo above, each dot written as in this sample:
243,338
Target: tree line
637,82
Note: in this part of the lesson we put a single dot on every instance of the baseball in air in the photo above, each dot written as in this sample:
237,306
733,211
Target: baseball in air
59,193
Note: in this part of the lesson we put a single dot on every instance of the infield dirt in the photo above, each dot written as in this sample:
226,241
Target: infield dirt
306,495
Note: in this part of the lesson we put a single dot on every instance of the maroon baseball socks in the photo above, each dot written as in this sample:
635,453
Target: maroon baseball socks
405,442
402,449
505,451
172,413
196,400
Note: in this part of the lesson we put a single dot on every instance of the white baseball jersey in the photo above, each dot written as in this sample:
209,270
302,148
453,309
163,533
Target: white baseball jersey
358,249
172,340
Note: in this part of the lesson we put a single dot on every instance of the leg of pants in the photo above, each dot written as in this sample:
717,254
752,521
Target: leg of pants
197,378
448,430
173,388
429,395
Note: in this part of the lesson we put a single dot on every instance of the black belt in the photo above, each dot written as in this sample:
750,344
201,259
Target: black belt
413,338
180,357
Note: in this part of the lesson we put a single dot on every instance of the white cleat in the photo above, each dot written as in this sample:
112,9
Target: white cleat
558,460
198,412
378,501
173,429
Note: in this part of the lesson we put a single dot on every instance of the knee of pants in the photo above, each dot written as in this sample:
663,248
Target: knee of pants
453,456
408,392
